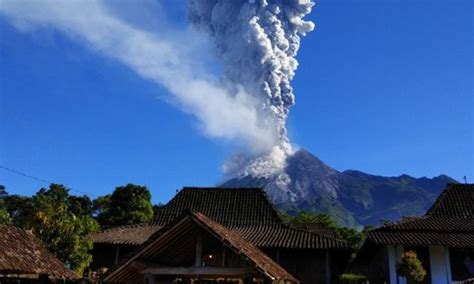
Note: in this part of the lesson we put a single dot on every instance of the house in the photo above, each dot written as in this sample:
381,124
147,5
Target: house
443,239
195,248
24,258
219,233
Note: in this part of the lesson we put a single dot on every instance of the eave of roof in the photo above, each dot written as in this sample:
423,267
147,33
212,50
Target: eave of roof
23,253
231,238
449,222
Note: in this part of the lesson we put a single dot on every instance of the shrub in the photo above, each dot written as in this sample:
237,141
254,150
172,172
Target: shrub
411,267
351,278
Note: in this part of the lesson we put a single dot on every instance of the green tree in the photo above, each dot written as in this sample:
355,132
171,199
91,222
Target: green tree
81,205
411,267
353,237
324,220
127,205
20,208
63,229
4,215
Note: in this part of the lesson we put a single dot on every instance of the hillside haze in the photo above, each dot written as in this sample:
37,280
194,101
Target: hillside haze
354,198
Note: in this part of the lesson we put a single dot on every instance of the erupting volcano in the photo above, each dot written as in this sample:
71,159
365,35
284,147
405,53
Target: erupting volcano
257,42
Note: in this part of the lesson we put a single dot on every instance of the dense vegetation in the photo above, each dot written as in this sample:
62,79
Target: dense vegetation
352,236
64,222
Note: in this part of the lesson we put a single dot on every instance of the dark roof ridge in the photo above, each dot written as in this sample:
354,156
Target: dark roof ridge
219,188
449,190
230,206
314,233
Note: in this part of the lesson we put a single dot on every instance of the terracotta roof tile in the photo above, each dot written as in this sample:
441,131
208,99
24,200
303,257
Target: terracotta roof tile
283,236
231,238
449,222
230,207
125,235
22,253
247,210
246,248
456,201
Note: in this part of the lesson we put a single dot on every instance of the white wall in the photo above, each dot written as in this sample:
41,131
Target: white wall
439,262
394,254
440,266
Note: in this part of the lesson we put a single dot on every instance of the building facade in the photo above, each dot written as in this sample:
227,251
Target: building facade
443,239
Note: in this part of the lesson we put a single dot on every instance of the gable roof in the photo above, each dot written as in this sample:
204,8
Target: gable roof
449,222
246,210
456,201
22,253
230,238
231,207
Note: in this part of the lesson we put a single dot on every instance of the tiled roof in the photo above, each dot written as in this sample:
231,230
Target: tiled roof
316,229
247,210
22,253
456,201
125,235
283,236
247,249
231,207
461,240
449,222
181,228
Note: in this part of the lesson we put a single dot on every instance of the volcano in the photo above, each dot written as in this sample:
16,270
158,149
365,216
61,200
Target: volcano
353,198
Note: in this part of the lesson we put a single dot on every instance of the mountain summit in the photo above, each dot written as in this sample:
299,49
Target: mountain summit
354,198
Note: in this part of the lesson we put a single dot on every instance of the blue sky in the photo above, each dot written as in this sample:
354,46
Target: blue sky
384,87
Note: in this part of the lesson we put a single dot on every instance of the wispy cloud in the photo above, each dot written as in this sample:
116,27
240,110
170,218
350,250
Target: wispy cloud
167,58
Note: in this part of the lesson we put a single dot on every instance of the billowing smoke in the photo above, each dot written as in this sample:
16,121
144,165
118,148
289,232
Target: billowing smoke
257,41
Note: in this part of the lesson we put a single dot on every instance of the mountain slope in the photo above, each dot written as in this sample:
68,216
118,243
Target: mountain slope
354,198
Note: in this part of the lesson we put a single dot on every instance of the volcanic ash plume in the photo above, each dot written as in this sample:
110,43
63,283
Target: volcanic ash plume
257,41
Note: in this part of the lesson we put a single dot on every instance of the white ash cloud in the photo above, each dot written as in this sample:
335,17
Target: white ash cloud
171,58
257,41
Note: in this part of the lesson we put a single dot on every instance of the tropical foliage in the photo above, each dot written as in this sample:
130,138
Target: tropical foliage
127,205
4,216
64,222
352,236
411,267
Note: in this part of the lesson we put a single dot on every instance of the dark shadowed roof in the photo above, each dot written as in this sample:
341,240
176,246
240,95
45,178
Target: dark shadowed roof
315,228
231,207
283,236
125,235
184,228
456,201
246,249
246,210
22,253
449,222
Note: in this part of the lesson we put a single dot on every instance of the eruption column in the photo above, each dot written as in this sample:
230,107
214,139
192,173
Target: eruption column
257,41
